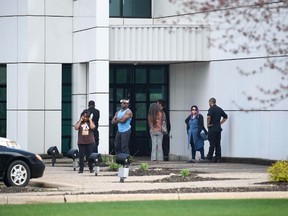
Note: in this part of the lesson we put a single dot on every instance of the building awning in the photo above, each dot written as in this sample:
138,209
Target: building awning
159,43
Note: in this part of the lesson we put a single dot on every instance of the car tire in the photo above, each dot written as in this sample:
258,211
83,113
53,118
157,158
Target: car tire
18,174
6,182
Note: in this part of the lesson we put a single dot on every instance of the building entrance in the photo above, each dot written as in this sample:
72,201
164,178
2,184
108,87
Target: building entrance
143,85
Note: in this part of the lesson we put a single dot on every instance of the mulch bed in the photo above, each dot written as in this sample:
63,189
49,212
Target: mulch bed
174,176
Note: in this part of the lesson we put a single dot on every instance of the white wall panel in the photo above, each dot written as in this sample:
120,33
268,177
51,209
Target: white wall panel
162,8
31,39
8,39
103,147
91,45
158,43
31,7
30,86
53,83
12,125
59,8
58,39
90,13
8,7
102,103
79,78
255,134
31,130
99,77
12,86
53,130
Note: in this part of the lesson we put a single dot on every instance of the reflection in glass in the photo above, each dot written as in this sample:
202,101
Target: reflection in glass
141,110
157,75
140,75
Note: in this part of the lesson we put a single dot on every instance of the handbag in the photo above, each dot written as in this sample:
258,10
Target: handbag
203,135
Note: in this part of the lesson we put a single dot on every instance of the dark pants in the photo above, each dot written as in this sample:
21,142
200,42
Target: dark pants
166,147
215,141
121,142
193,149
84,151
96,136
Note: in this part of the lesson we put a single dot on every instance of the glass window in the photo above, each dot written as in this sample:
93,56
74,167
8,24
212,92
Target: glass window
3,100
141,125
140,75
130,8
123,75
115,8
141,94
157,75
156,93
141,110
66,107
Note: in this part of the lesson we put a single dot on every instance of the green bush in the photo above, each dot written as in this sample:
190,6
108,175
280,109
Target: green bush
114,166
184,172
278,172
144,166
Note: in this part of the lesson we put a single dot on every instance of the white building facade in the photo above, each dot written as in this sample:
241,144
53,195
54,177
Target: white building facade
57,55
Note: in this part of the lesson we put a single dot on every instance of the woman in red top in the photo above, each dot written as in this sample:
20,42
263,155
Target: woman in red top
86,141
156,119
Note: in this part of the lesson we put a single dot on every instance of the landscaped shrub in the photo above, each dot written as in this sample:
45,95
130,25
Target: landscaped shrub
184,172
278,172
114,166
144,166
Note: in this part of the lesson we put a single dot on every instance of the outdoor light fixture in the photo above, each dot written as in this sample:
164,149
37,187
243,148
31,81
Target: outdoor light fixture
73,154
53,151
97,159
124,160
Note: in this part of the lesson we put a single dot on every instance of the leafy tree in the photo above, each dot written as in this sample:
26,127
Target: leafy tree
262,26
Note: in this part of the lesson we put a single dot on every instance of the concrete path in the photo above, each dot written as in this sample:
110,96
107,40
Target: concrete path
62,184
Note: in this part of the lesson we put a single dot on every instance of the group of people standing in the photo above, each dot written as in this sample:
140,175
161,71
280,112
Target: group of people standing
158,119
159,129
197,132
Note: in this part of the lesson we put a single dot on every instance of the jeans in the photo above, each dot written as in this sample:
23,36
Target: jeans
121,142
156,152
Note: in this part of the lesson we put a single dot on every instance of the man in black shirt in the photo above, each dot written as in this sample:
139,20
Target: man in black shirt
215,118
95,115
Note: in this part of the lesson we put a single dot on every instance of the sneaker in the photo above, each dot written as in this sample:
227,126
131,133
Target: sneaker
80,171
92,171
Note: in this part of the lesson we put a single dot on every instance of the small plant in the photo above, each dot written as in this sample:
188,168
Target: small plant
278,172
114,166
185,172
144,166
105,159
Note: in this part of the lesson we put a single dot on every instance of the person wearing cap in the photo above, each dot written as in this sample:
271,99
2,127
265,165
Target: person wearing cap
95,115
123,120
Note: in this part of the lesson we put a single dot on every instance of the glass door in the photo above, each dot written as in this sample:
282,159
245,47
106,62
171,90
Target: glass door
143,85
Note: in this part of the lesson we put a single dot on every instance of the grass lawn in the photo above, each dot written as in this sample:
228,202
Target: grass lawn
233,207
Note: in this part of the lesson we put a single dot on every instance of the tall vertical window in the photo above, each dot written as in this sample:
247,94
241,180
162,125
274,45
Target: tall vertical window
130,8
3,100
66,107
